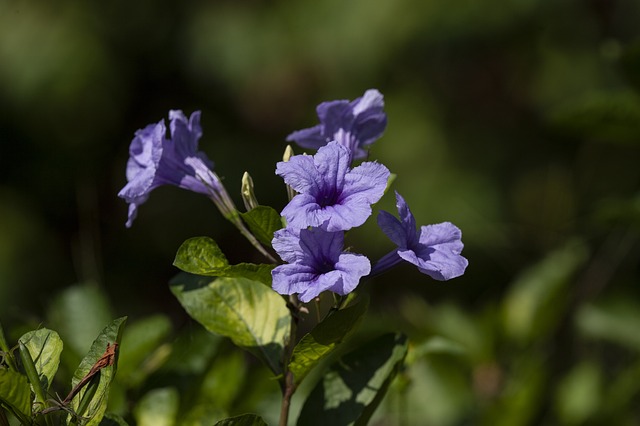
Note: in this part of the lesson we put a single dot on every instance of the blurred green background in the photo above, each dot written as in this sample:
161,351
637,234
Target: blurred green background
518,120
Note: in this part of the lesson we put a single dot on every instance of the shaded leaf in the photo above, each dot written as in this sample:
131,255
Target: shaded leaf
112,419
139,341
541,289
15,392
579,393
45,347
616,322
324,338
97,406
263,221
608,117
243,420
223,382
352,388
78,314
254,316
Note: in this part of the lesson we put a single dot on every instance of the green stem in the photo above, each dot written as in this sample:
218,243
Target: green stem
237,221
5,348
289,386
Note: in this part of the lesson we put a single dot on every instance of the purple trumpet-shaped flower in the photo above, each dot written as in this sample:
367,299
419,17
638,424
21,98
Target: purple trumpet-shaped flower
435,249
155,160
330,194
355,124
316,262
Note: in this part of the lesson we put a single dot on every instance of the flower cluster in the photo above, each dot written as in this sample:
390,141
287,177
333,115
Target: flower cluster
333,198
156,160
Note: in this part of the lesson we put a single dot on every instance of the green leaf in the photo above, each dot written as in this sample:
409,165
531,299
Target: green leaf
606,116
202,256
352,388
112,419
242,420
15,392
45,347
158,407
616,321
139,341
263,221
324,338
250,271
579,394
97,406
223,382
254,316
78,314
542,288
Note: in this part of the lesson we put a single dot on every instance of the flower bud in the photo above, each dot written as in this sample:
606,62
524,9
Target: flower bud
248,194
288,153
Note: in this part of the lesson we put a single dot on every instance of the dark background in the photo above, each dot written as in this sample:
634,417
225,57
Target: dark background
519,121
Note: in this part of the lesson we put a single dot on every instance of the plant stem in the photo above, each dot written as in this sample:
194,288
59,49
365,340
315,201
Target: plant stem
289,386
237,221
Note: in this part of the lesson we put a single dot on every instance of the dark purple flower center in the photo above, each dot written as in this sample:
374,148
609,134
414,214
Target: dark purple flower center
328,197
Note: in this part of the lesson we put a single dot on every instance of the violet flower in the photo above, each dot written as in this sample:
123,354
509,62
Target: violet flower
316,262
330,195
155,161
355,124
435,249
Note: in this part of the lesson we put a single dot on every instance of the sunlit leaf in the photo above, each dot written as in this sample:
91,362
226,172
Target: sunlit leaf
45,347
158,407
263,221
202,256
254,316
110,335
353,387
324,338
250,271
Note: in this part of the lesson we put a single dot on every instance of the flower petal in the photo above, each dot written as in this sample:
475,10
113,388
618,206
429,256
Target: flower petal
438,253
309,138
352,267
300,173
332,162
293,278
372,99
407,220
335,115
365,183
392,228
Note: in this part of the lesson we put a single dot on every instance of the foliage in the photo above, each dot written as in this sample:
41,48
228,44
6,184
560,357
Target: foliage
515,120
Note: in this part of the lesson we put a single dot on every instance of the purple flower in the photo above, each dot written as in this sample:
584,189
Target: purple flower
316,262
435,250
330,195
155,160
355,124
